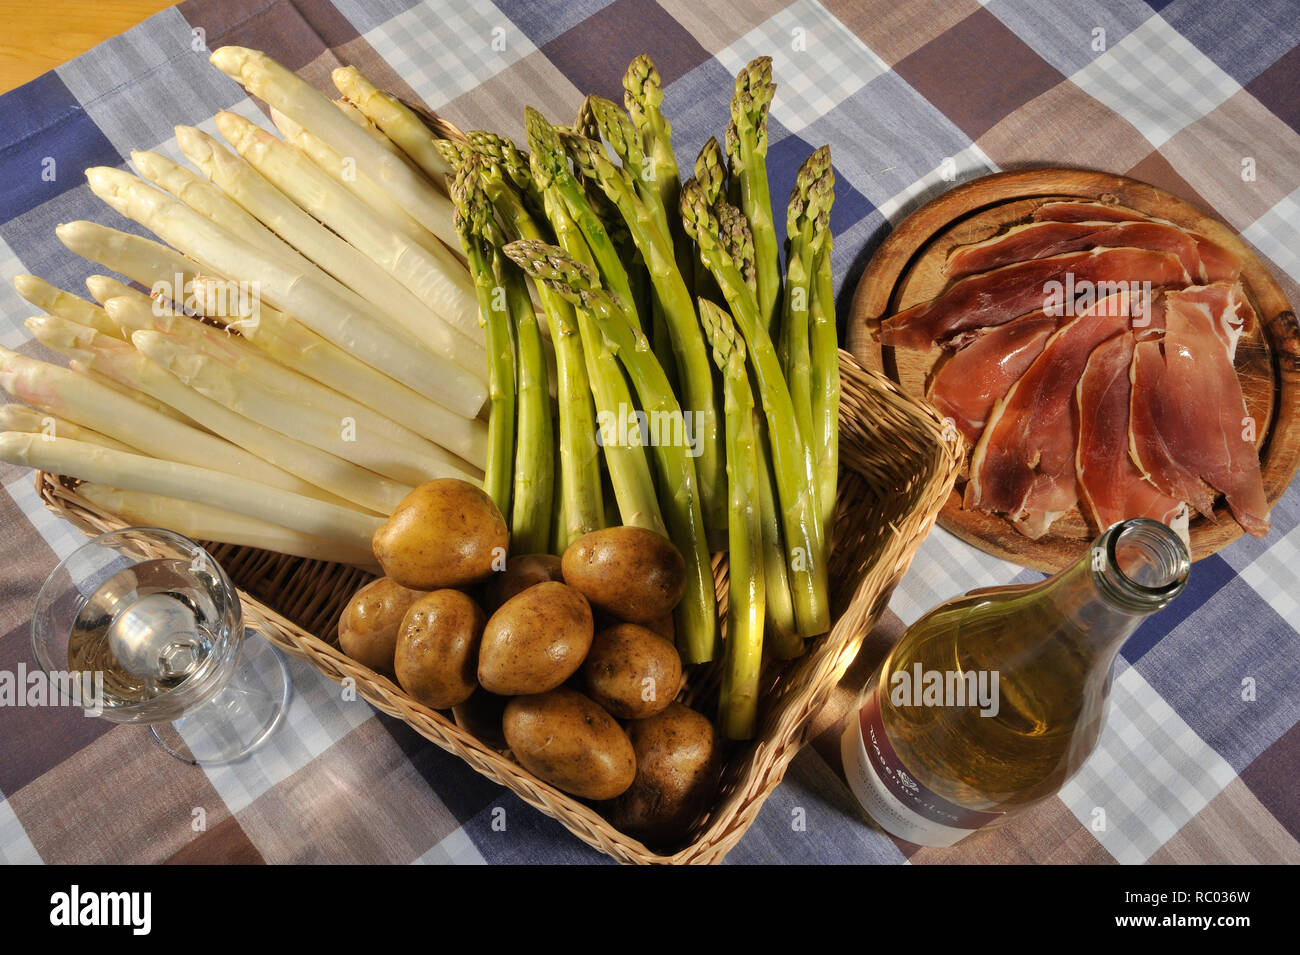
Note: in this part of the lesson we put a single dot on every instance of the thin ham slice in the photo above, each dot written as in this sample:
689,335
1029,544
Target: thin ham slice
1203,260
1077,210
970,382
1023,465
1190,433
997,296
1111,488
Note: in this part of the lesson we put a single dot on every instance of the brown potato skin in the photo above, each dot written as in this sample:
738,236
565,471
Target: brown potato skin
634,573
535,641
437,648
622,658
369,623
678,759
445,533
521,572
565,739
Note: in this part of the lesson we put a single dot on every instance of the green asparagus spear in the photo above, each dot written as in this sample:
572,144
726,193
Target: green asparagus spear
475,229
512,162
737,241
747,150
825,364
534,472
738,704
614,126
785,641
643,95
629,471
582,508
805,206
691,356
697,613
711,171
782,627
550,169
584,124
792,457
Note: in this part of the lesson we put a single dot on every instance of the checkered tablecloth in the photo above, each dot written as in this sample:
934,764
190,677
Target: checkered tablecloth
1200,97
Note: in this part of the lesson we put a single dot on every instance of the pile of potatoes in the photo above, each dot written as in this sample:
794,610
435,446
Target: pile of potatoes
568,662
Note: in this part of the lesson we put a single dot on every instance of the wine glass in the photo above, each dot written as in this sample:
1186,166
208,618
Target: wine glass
141,625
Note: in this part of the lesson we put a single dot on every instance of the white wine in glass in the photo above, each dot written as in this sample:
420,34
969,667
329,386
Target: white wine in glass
144,626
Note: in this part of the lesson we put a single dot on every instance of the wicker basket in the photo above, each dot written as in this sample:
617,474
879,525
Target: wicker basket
895,471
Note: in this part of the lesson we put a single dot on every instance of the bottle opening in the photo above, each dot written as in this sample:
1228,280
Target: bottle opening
1149,561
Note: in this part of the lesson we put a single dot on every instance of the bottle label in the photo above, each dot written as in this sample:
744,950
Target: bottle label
901,805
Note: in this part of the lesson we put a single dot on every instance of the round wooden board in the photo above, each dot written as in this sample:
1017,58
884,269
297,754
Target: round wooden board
907,268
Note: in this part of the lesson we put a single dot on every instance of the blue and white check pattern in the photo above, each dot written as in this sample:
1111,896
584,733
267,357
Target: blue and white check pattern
1179,733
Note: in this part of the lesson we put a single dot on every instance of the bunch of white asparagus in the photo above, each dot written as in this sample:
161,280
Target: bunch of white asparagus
340,362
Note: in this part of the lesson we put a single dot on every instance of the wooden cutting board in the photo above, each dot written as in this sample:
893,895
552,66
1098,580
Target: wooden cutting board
907,269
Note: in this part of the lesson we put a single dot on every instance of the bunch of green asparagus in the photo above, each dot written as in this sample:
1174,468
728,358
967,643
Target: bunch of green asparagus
692,374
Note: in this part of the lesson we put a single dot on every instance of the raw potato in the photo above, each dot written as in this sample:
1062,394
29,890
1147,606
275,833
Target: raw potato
632,671
521,573
369,624
445,533
565,739
437,648
634,573
678,761
535,641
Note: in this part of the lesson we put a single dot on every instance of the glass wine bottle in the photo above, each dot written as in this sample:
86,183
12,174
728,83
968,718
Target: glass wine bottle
992,701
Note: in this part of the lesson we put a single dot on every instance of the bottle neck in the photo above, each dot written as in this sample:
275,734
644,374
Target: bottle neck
1133,569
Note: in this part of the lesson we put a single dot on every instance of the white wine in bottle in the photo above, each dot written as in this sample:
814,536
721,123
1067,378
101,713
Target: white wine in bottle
990,702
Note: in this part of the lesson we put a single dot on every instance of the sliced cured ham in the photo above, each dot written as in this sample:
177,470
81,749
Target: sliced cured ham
1111,488
1190,432
1202,259
970,382
997,296
1078,210
1024,463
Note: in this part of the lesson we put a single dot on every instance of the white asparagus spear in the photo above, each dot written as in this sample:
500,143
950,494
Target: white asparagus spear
248,183
359,120
207,200
203,522
156,266
429,280
343,171
85,401
296,346
131,394
297,99
311,301
121,362
245,361
135,472
30,421
102,288
142,260
50,298
398,121
314,426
